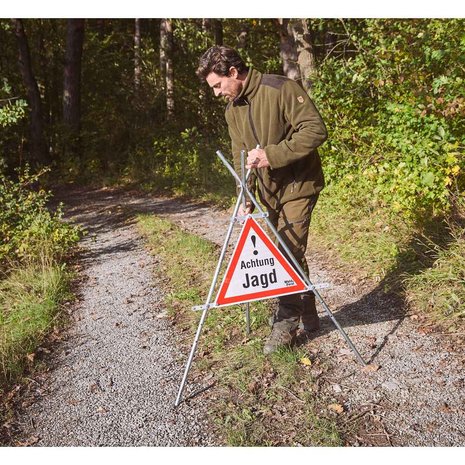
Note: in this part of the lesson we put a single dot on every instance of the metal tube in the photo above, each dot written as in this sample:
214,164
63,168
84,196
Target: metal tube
207,303
230,168
244,205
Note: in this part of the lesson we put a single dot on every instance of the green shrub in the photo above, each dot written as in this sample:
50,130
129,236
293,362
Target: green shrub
395,111
29,231
184,163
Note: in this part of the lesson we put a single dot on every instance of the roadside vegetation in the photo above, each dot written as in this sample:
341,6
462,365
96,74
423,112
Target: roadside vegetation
34,279
394,208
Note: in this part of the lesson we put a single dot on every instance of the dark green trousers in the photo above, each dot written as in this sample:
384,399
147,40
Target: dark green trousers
292,221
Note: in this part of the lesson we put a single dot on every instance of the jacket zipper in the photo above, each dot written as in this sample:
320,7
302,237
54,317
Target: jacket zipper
252,124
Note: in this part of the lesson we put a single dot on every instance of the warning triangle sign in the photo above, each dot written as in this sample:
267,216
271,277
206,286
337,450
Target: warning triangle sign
257,270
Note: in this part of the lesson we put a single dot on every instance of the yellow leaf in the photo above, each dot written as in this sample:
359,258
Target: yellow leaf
305,361
336,408
371,367
455,170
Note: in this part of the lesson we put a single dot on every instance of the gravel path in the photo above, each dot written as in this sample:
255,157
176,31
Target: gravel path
114,380
115,377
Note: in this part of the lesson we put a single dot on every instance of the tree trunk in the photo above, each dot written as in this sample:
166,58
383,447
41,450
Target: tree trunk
163,46
217,31
214,28
243,36
305,52
166,60
38,146
296,51
72,84
288,50
137,65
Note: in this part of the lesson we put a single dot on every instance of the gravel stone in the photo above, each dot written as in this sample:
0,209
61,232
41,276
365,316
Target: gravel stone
416,397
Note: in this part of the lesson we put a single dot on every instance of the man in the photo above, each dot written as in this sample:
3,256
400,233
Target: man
274,120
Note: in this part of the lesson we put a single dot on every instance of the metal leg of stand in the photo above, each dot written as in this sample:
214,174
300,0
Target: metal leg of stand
244,205
208,302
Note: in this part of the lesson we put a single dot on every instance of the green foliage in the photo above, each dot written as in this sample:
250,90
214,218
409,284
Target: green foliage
29,304
395,110
12,109
29,231
182,163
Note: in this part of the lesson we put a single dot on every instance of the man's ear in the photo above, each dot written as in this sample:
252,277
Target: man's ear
233,72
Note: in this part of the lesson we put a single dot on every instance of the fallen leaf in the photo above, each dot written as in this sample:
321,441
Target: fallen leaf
29,442
336,408
305,361
31,357
252,387
370,368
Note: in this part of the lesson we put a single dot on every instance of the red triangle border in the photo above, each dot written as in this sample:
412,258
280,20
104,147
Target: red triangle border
298,287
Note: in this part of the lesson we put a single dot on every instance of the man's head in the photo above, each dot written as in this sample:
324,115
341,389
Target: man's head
224,71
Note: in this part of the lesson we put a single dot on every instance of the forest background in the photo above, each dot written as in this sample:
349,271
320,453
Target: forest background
117,102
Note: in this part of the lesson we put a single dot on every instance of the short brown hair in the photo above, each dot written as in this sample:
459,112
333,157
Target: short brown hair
219,59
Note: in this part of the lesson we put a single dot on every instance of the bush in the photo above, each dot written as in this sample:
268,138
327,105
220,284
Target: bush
183,162
395,112
28,230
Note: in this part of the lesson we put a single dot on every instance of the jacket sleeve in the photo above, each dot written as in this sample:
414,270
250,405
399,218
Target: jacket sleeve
237,145
309,130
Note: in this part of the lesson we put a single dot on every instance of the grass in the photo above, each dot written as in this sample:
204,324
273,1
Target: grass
440,289
261,401
424,262
29,304
358,233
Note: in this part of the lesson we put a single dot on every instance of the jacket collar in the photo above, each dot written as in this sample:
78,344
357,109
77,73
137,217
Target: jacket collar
250,87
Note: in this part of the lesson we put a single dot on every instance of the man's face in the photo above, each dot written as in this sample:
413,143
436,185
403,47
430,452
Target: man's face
228,87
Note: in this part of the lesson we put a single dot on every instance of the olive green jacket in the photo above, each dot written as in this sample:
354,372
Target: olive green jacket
276,113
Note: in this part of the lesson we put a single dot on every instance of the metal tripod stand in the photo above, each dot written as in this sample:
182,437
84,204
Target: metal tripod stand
244,191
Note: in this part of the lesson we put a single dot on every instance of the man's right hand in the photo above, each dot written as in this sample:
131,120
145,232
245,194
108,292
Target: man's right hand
245,211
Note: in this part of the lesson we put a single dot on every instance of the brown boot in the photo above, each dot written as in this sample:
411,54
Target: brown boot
282,335
310,319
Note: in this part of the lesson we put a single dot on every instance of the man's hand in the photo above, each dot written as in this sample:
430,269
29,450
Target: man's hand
256,158
245,211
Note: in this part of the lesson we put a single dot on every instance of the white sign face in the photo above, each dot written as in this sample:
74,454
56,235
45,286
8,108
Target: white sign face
257,270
